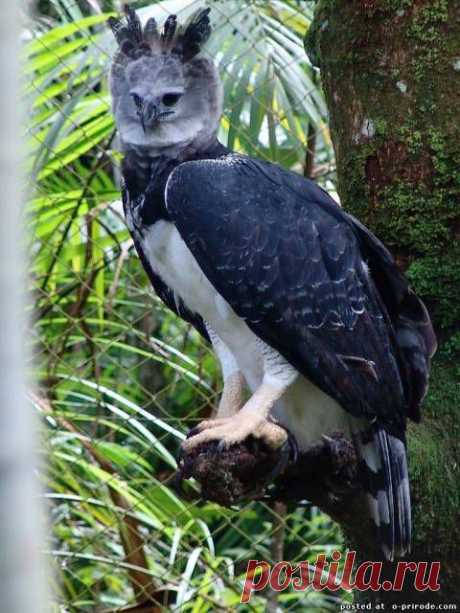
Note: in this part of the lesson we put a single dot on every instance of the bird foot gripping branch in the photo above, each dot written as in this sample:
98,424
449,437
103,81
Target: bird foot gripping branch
327,474
244,471
232,430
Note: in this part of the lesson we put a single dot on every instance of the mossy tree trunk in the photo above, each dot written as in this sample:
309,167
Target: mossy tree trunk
391,74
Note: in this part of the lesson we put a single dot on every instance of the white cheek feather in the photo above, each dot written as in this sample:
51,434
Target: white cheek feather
166,136
131,133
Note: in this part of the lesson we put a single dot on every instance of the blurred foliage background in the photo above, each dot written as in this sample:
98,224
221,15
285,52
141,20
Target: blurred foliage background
120,380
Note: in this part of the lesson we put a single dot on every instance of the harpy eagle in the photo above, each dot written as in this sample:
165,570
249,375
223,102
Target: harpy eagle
302,304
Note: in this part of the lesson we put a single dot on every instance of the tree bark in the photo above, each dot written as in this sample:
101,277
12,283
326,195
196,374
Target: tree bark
391,75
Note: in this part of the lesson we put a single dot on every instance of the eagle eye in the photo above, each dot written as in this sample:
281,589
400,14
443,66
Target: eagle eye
171,99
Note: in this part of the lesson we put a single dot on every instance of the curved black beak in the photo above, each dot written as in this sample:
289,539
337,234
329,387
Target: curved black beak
142,119
150,114
147,111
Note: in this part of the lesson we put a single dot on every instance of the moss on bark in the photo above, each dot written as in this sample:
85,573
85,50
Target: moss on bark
391,75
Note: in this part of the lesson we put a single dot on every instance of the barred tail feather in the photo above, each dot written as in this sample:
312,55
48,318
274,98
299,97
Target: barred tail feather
384,465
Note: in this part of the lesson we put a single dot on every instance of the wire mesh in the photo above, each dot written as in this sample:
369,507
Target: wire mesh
121,379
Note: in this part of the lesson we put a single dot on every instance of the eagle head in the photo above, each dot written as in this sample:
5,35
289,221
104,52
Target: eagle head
165,94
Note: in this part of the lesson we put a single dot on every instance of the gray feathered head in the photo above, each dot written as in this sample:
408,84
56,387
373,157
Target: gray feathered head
164,94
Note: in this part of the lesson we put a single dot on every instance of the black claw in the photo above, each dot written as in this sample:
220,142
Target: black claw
285,454
180,457
178,481
289,456
193,431
181,475
294,449
291,445
184,471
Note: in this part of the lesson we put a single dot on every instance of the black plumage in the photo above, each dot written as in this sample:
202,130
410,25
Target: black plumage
195,34
169,30
151,33
289,261
134,24
185,42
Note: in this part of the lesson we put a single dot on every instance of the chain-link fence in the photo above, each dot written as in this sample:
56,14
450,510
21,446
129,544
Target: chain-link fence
121,379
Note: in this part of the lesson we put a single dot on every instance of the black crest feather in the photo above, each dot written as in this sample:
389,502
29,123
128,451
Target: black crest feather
151,34
196,33
169,30
118,28
134,24
185,42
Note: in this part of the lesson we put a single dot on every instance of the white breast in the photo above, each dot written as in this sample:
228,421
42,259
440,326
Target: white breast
173,261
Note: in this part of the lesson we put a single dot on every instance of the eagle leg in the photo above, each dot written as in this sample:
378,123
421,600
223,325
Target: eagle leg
231,400
232,397
230,403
